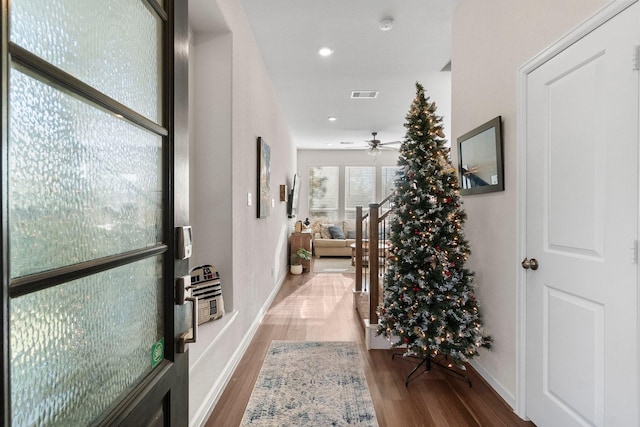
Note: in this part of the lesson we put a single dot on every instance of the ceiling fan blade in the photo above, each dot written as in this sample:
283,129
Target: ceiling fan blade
390,143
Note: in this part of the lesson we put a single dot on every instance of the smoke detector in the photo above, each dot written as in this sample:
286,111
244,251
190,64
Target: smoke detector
386,24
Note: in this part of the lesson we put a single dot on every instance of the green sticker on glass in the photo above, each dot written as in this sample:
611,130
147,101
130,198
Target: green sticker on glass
157,352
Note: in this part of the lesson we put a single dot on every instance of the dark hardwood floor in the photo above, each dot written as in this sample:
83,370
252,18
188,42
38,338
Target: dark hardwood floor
319,307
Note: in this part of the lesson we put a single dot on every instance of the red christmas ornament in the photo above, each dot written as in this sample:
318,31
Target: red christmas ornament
447,273
453,264
438,248
416,289
406,340
416,231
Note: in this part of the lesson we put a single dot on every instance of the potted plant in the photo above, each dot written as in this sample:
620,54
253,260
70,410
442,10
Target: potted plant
296,260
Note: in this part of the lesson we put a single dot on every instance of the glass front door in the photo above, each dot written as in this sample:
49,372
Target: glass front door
88,253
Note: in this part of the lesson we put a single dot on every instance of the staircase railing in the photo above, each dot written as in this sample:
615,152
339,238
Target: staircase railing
370,250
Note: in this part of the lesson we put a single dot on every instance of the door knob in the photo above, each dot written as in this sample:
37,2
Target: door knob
530,264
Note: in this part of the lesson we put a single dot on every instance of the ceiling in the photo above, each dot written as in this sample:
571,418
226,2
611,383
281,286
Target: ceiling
311,88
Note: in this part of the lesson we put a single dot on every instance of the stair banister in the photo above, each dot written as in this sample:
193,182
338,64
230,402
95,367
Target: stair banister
358,251
374,260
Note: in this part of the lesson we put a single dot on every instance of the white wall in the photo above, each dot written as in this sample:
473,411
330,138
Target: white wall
211,174
233,103
491,39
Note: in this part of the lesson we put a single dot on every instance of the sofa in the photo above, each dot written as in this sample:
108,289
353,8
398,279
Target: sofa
333,238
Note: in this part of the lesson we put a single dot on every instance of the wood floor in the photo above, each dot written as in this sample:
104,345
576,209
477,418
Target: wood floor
319,307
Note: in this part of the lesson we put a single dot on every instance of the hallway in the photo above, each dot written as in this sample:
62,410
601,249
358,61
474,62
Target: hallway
319,307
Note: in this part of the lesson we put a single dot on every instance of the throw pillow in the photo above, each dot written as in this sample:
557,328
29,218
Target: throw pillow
351,234
324,231
317,224
336,232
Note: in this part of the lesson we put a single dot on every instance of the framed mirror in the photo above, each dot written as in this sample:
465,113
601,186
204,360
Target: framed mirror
480,159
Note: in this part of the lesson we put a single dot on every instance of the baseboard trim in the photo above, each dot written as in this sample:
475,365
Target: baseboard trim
505,394
374,341
211,399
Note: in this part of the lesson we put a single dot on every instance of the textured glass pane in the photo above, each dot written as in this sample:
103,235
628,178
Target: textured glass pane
83,184
112,45
78,347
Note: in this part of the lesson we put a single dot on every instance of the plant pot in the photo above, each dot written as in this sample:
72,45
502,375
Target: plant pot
296,269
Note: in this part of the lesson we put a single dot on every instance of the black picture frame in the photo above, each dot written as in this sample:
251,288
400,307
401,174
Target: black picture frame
264,179
480,162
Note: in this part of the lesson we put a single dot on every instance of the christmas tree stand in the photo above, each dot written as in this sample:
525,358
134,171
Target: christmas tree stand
429,361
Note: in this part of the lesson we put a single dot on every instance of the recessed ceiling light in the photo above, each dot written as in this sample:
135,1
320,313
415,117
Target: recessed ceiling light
325,51
332,118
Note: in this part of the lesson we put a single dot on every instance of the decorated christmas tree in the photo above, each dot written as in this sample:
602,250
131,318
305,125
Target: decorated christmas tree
429,303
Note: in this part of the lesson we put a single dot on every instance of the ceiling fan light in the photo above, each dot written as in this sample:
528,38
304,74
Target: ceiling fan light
373,151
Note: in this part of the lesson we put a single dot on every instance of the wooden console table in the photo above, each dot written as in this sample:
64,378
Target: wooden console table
301,240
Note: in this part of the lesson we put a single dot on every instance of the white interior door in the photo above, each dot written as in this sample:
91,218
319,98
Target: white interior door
582,216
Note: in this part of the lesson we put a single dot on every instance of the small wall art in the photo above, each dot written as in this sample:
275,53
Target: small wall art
264,179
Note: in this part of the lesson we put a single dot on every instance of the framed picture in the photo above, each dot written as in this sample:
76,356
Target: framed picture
480,159
264,179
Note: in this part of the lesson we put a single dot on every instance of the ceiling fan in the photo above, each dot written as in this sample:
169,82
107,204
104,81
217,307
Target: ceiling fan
375,145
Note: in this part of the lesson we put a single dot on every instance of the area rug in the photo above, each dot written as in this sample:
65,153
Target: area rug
311,384
333,265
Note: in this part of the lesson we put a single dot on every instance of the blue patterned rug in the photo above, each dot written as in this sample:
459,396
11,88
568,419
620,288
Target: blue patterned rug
311,384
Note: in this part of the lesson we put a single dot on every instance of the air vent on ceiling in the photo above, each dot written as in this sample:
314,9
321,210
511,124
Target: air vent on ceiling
346,142
364,94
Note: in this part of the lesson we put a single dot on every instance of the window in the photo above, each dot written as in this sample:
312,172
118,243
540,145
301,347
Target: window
336,191
359,188
324,191
389,179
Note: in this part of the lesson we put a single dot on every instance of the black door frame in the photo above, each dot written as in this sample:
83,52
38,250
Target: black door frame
162,397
